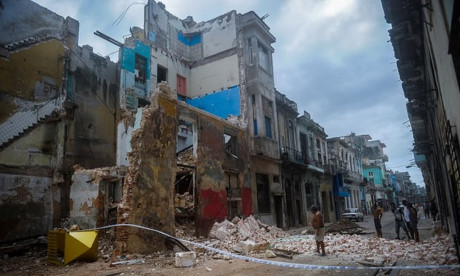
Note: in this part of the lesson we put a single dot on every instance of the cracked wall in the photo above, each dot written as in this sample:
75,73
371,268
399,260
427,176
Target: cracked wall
94,196
149,184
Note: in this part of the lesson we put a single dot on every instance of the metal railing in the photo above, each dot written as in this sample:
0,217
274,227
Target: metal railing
293,155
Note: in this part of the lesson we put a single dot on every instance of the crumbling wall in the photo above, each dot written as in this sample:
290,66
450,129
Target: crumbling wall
90,196
148,198
92,84
213,163
27,204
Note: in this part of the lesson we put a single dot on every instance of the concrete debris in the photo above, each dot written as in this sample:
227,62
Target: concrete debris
435,251
344,227
74,227
185,259
128,262
184,201
244,235
269,254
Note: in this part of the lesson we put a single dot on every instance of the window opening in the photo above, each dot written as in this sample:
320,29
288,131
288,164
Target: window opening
263,193
162,74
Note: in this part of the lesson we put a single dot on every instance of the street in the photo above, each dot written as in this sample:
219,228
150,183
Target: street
342,250
425,227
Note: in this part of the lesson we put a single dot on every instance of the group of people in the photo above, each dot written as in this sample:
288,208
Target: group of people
406,218
429,208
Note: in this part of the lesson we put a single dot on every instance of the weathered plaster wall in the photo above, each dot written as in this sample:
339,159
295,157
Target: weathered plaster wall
43,62
214,76
22,19
212,163
30,75
174,65
129,123
222,103
89,200
93,86
27,205
38,148
149,185
131,91
219,34
270,168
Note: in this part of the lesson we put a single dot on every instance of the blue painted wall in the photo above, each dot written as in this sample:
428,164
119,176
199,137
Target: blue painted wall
128,57
127,80
378,175
221,104
189,40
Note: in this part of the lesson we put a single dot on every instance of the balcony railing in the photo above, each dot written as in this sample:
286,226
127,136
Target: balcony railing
293,155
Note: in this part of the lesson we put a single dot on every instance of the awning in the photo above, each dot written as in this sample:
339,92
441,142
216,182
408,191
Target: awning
342,193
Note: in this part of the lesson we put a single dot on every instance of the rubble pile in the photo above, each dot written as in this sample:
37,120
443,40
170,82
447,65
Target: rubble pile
185,230
243,235
344,227
435,251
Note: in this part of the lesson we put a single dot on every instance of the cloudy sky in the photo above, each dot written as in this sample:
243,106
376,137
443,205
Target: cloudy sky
332,57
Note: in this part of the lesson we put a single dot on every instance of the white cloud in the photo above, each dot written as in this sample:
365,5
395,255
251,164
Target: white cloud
329,27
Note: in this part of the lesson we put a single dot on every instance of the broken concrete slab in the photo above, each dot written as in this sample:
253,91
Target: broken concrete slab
185,259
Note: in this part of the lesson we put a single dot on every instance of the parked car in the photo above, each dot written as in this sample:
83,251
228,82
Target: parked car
353,213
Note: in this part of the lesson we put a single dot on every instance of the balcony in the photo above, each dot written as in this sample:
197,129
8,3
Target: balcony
352,177
265,147
292,155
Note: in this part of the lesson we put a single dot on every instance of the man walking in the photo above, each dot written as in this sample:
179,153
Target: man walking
318,224
399,221
377,213
407,218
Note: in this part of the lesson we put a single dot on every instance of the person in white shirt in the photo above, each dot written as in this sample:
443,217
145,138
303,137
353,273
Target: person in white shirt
407,218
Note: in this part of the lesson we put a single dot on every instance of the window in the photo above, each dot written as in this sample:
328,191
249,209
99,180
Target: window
140,70
181,85
371,177
263,193
230,144
268,127
291,135
250,50
256,130
263,57
162,74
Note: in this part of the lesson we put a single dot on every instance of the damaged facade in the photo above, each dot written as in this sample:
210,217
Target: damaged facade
425,39
58,108
187,125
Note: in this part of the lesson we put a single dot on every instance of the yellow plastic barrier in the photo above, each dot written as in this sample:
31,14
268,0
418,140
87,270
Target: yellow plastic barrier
64,247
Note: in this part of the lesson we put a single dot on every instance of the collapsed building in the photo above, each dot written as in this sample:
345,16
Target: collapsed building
58,108
187,125
98,147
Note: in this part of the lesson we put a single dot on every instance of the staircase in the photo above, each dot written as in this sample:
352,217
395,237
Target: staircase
24,121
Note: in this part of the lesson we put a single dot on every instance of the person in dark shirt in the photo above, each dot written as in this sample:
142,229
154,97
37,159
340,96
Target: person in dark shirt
413,216
399,221
377,213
